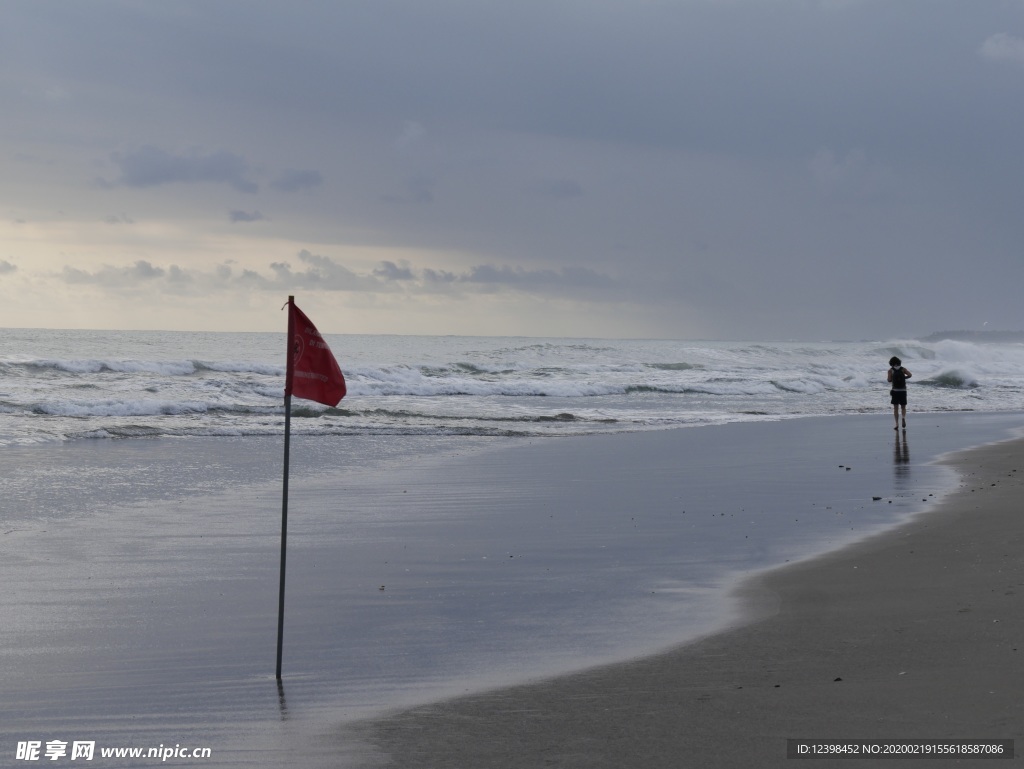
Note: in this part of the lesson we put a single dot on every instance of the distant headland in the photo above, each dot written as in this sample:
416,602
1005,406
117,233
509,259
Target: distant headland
975,336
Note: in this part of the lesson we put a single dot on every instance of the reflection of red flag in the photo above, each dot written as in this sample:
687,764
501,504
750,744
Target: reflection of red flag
312,372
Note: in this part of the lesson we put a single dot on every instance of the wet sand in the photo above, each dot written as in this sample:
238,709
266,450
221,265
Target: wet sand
140,610
917,633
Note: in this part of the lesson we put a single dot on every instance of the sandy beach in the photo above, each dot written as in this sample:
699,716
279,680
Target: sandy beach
914,634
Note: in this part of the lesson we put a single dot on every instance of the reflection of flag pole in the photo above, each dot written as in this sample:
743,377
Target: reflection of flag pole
312,373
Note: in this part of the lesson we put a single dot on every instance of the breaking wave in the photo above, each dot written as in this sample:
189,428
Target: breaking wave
233,385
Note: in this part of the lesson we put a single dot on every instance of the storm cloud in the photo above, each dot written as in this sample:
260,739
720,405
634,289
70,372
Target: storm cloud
793,169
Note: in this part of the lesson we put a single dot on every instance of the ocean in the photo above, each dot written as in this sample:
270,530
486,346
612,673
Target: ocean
477,512
60,386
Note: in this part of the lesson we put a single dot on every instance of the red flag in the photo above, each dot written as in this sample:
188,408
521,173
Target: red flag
312,372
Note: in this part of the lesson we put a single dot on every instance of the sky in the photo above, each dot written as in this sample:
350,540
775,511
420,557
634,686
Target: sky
691,169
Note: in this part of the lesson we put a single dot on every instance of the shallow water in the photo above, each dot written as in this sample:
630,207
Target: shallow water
141,576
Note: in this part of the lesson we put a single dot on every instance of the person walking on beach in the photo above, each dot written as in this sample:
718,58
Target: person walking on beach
898,376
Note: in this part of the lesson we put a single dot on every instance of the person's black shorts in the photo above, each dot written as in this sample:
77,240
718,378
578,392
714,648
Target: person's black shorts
899,397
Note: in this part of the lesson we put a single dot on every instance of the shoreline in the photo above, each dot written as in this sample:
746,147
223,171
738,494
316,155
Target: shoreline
909,634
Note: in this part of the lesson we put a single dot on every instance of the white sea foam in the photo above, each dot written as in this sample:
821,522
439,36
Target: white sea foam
115,408
189,384
169,368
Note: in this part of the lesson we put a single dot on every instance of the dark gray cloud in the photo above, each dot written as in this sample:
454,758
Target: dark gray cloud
418,190
320,273
245,216
6,268
326,273
109,275
575,282
294,180
390,271
152,166
571,280
140,273
316,272
800,167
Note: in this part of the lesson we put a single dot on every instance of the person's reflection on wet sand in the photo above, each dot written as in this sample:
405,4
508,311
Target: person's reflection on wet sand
901,459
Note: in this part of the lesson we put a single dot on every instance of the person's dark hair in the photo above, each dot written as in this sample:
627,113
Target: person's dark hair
894,361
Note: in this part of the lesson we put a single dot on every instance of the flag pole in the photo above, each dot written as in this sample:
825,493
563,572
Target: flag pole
284,532
284,485
319,379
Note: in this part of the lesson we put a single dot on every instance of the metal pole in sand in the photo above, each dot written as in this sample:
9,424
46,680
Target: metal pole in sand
284,487
284,532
